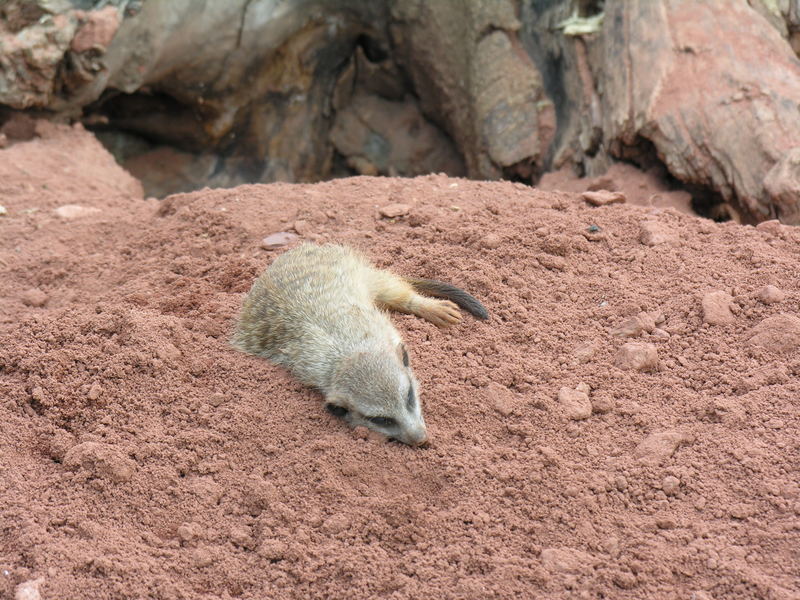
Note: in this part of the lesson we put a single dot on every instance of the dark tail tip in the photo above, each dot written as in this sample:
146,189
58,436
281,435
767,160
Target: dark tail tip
440,289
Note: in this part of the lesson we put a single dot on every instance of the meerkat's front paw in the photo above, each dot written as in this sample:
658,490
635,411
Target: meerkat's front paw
441,313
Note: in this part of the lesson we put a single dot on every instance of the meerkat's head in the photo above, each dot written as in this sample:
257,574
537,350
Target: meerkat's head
378,390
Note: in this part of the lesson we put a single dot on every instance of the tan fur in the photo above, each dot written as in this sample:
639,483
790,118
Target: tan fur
317,311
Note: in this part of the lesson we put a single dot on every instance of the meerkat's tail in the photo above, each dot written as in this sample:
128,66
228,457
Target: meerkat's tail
440,289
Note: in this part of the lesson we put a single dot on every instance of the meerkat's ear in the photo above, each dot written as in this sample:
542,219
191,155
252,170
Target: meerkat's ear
402,354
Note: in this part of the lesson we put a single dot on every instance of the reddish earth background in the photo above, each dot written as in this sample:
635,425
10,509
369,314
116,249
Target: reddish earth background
140,456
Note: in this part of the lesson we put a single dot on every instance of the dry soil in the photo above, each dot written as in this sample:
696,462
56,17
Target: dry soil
624,426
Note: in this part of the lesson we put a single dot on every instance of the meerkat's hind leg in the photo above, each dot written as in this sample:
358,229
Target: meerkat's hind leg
395,293
440,289
439,312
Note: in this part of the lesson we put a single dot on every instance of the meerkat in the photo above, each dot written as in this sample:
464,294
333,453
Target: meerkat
320,312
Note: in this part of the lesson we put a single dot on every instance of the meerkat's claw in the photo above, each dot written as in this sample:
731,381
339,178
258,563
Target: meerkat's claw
441,313
452,310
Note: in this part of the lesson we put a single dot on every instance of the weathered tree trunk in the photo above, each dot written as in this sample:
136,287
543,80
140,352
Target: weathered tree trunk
251,90
473,78
715,89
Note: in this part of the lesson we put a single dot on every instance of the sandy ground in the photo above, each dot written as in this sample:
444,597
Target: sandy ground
624,426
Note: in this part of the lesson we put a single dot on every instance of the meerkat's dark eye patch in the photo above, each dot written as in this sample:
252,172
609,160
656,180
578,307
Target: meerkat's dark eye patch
410,397
382,421
337,411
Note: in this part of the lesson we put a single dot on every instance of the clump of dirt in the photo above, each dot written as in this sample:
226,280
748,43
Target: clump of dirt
609,432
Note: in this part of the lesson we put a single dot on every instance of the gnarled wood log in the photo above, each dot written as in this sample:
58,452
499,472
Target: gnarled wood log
253,90
713,86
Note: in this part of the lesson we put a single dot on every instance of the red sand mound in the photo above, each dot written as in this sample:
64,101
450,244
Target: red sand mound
624,426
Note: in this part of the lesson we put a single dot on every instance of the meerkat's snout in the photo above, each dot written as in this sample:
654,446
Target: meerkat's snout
418,437
378,390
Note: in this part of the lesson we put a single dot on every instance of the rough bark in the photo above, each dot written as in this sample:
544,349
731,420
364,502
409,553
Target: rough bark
473,77
250,80
713,87
252,90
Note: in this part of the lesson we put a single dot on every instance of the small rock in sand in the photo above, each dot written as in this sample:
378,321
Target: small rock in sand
773,226
717,308
670,485
70,212
770,294
278,240
550,458
337,523
594,233
34,297
101,460
637,357
554,263
648,320
603,404
585,352
559,244
240,536
652,233
216,399
491,241
624,579
566,560
666,522
576,403
657,447
603,197
3,210
501,398
634,326
202,557
29,590
273,549
741,511
188,531
302,227
611,545
392,211
778,333
95,391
